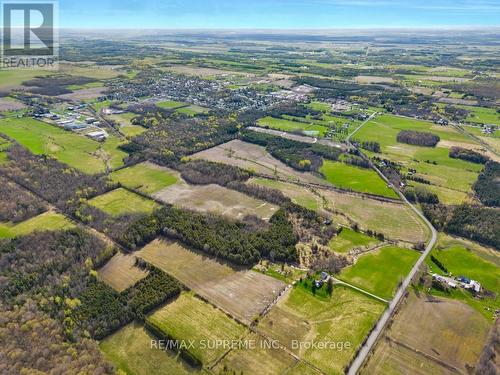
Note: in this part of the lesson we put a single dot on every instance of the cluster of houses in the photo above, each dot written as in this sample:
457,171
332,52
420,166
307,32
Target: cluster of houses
205,93
461,281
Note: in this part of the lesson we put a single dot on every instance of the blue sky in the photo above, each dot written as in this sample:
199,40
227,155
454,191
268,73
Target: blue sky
277,14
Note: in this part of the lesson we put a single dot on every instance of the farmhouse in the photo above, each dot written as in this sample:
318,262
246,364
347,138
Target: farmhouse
464,282
472,285
447,280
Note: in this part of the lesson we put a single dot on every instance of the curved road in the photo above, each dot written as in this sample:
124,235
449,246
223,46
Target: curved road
384,319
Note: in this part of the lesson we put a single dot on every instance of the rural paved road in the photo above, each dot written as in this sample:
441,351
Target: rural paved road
384,319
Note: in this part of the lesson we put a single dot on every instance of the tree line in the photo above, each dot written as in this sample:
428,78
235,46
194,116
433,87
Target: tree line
474,222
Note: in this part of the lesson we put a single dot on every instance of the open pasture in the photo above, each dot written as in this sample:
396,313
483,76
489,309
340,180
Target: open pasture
120,201
75,150
13,78
120,272
130,351
169,104
394,220
348,239
255,158
385,128
146,177
125,122
192,110
433,163
190,318
380,271
350,177
90,70
462,330
392,358
242,293
346,317
84,94
48,221
10,104
257,359
216,199
293,126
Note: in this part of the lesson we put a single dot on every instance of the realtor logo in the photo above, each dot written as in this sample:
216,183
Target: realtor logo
29,37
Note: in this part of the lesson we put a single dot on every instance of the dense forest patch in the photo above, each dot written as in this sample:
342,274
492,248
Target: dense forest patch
487,187
416,138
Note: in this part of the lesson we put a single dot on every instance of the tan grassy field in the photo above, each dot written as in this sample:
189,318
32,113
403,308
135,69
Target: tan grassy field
395,220
446,329
344,319
120,272
493,142
470,146
257,359
192,319
242,293
84,94
373,79
130,351
216,199
391,358
202,71
8,104
256,158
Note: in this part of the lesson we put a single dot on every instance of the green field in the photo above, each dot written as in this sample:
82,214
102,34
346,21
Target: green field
171,104
15,77
446,195
292,126
112,154
75,150
354,178
473,262
101,105
380,272
257,360
191,110
189,318
130,351
481,115
4,145
89,85
345,317
349,239
431,163
320,106
48,221
120,201
385,128
145,177
125,122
